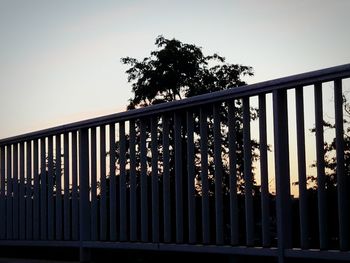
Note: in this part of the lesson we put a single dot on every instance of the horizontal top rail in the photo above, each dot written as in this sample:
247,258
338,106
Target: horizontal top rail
304,79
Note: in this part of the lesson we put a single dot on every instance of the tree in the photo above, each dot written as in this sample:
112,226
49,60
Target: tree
178,70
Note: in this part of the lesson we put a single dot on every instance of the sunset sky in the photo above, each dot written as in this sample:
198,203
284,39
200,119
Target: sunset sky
60,60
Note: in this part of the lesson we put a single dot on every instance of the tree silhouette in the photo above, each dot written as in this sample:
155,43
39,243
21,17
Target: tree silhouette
178,70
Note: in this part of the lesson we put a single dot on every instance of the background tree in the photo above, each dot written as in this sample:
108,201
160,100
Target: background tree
178,70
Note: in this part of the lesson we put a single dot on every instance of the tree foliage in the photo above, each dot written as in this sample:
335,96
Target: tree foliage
177,70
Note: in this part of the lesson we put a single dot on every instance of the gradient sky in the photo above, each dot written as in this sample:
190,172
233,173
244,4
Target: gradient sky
60,60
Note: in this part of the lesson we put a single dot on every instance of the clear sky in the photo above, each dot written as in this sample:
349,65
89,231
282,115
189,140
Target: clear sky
60,60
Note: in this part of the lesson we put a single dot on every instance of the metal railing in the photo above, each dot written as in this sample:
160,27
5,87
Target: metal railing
178,177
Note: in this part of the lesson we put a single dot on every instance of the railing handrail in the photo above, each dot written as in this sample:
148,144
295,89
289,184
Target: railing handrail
303,79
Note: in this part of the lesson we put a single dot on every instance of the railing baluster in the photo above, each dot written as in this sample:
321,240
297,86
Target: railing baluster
218,176
36,197
103,201
16,179
178,177
84,202
166,180
122,183
343,195
112,185
93,173
133,184
43,190
58,198
75,193
29,193
144,192
9,190
248,181
322,199
283,204
15,192
191,177
303,206
204,175
233,172
22,208
2,194
67,204
155,191
50,200
265,209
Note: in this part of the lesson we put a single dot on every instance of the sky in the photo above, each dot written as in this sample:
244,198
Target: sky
60,60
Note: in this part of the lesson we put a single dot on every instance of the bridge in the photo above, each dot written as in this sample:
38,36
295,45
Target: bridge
179,177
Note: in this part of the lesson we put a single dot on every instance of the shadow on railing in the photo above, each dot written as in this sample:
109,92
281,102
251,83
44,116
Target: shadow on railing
189,172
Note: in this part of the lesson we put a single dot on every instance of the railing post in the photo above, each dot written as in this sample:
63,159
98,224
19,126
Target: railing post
84,205
320,165
280,115
178,178
248,184
166,181
303,204
2,194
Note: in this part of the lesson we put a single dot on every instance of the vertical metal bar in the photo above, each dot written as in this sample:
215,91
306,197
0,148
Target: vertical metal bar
50,200
75,204
133,184
112,185
233,172
204,175
321,179
265,208
67,205
342,183
218,176
178,177
303,207
93,173
144,191
248,179
283,211
9,190
29,193
36,197
43,190
155,187
2,194
166,180
103,201
15,192
122,183
58,180
22,207
192,230
84,212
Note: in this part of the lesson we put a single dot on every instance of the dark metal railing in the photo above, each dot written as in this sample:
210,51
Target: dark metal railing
179,175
